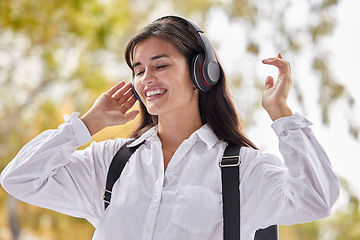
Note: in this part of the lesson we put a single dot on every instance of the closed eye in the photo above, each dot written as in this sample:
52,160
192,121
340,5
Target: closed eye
139,73
161,66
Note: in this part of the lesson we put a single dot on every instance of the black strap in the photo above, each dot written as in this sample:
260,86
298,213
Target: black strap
269,233
230,192
117,165
230,177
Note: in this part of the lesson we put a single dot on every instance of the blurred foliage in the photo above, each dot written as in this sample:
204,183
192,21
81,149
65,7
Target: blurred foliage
57,56
346,222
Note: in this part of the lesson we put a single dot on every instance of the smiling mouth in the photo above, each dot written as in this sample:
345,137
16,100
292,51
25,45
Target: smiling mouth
155,92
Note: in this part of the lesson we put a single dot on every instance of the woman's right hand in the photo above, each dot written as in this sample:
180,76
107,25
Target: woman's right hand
111,108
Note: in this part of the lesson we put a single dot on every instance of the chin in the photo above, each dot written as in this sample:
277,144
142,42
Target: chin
152,110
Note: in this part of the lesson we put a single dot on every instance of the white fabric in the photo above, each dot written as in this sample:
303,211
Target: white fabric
185,201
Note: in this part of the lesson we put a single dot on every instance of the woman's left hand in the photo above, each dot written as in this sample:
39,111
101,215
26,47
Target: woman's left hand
275,96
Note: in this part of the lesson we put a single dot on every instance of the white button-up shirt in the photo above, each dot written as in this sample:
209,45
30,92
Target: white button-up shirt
183,202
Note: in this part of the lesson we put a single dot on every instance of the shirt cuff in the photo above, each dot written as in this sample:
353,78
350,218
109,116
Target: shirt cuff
81,132
295,121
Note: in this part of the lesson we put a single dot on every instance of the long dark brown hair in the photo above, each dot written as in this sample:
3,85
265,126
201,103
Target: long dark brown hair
216,106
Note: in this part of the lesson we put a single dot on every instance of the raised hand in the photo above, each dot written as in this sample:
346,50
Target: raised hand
111,108
275,96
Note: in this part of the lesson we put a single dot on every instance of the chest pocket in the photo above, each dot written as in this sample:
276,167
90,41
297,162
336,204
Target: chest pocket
197,209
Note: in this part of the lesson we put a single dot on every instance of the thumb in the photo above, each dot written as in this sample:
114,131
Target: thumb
269,82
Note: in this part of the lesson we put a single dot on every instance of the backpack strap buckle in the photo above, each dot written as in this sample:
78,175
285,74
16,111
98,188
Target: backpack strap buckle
230,161
107,196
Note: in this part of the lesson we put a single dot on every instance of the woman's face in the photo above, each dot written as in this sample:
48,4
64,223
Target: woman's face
162,77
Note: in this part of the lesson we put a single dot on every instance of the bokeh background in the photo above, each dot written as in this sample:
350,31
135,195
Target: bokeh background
58,56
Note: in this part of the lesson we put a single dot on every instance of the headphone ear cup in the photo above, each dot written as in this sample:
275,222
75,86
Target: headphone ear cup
134,91
197,74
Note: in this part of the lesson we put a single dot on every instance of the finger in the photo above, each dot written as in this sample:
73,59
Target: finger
119,93
269,82
116,87
281,64
125,97
278,62
279,56
130,103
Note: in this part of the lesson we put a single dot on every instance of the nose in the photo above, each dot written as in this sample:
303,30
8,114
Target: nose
148,77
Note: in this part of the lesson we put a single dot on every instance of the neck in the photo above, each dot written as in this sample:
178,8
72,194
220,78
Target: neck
174,129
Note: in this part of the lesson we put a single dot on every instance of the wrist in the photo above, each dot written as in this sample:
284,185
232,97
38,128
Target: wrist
279,112
92,122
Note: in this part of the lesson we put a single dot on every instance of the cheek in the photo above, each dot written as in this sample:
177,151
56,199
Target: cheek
187,90
186,80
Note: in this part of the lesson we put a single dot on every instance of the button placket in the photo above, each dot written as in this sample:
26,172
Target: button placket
153,208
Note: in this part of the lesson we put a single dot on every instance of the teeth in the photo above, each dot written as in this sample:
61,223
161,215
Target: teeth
154,92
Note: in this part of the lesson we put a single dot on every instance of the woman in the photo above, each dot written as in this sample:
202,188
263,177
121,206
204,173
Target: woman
171,186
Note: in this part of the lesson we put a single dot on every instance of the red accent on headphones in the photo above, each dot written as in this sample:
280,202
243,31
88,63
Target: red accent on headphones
201,74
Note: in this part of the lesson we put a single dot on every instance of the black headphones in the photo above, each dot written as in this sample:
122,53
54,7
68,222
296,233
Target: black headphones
205,70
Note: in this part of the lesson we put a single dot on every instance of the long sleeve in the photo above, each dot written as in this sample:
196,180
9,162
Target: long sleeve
301,189
50,173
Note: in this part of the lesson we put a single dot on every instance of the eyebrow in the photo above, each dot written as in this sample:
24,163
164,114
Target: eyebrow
151,59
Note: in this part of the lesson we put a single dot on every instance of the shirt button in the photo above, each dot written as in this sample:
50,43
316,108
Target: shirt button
148,230
156,200
182,152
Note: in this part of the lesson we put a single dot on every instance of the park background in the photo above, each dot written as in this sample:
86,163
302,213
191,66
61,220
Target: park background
58,56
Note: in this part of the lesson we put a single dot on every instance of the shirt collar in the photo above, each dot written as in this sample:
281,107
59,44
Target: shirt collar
151,133
205,134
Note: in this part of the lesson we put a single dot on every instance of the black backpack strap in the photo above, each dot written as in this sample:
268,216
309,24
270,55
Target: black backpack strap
229,164
269,233
117,165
